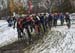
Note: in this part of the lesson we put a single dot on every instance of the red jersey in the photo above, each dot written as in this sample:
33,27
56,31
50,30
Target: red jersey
19,23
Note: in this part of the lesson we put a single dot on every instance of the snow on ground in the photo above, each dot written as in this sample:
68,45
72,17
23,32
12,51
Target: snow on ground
59,40
8,35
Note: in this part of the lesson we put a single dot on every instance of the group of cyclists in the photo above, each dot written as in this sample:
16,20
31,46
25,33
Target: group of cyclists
39,23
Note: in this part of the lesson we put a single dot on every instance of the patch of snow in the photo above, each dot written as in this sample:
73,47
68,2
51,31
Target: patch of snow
8,35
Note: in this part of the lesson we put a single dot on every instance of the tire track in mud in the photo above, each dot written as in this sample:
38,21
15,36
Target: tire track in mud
52,40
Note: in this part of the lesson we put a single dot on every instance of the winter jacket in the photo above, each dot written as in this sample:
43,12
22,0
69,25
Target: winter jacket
56,16
61,16
42,19
49,17
20,23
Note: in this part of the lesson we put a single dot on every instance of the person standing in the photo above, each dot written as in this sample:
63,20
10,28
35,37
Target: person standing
14,21
42,20
50,20
67,18
27,22
18,23
37,25
46,20
61,17
55,19
20,27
